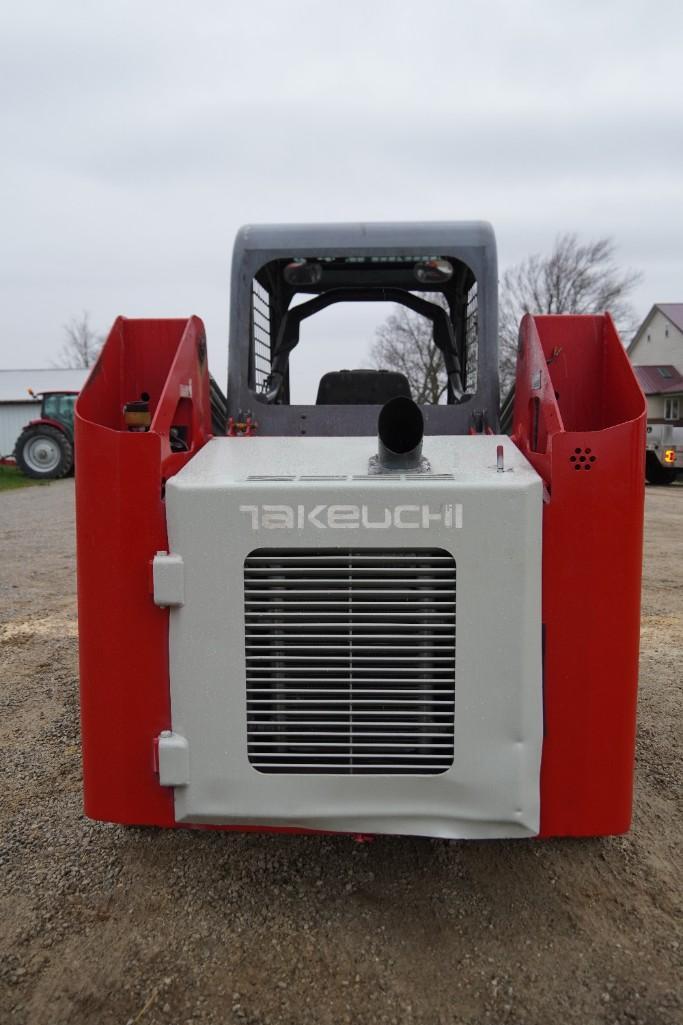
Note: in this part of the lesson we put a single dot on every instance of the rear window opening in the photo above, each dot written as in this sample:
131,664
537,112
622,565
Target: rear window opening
314,318
340,337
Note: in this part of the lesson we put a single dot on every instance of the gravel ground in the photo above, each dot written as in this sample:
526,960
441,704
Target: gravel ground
110,925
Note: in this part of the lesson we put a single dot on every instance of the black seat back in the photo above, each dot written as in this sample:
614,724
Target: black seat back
361,387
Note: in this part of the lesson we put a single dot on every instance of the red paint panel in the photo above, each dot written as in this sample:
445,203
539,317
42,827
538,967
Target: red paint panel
573,373
121,524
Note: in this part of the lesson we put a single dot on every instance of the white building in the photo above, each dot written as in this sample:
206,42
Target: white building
656,353
17,406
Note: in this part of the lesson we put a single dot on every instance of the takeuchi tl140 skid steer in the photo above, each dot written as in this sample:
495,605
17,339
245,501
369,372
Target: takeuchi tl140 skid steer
363,615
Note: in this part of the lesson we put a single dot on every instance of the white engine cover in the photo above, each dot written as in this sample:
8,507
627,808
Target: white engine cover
242,494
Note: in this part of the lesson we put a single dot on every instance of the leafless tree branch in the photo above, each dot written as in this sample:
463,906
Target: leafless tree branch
81,346
577,277
404,342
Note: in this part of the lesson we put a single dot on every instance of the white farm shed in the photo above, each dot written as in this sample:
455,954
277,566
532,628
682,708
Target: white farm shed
16,405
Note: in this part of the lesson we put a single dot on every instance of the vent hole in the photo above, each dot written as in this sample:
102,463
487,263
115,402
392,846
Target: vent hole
582,456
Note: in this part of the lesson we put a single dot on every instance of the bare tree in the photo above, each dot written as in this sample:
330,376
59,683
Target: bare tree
81,346
404,342
576,277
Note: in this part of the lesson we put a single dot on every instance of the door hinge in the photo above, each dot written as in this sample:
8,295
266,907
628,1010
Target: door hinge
168,574
173,756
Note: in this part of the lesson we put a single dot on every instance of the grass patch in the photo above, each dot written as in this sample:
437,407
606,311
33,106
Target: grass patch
11,477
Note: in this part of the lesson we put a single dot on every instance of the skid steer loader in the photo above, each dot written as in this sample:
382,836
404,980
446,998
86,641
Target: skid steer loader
364,614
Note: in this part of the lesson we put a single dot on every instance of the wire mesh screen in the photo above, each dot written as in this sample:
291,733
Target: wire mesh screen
260,327
472,339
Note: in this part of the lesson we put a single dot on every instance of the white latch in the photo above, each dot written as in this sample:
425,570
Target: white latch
169,580
174,759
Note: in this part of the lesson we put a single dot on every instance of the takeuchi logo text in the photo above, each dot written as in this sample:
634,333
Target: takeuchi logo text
350,517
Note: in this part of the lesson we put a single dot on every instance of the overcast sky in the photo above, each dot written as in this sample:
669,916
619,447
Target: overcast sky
137,137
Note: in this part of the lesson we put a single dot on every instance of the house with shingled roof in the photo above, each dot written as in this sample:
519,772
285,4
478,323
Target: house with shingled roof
656,353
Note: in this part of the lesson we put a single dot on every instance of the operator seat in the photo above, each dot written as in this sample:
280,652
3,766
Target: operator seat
361,387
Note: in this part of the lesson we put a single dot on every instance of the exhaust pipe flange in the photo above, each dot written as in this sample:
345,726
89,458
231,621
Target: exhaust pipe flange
400,430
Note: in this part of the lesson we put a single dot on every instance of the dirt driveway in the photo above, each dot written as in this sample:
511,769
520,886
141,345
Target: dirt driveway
109,925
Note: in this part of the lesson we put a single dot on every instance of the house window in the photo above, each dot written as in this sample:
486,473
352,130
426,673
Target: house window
671,407
666,332
648,337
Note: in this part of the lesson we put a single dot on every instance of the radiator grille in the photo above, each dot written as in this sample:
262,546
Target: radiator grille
350,657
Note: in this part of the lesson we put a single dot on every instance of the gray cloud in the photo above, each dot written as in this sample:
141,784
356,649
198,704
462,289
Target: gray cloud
137,137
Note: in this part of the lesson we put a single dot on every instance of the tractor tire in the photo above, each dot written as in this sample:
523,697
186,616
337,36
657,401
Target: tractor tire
44,453
655,473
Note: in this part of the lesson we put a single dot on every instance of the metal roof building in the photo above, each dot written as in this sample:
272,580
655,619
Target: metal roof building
17,406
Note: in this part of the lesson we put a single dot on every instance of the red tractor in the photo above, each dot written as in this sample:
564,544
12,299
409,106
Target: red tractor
45,447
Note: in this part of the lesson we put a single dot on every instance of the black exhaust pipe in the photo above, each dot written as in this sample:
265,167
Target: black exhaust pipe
400,427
